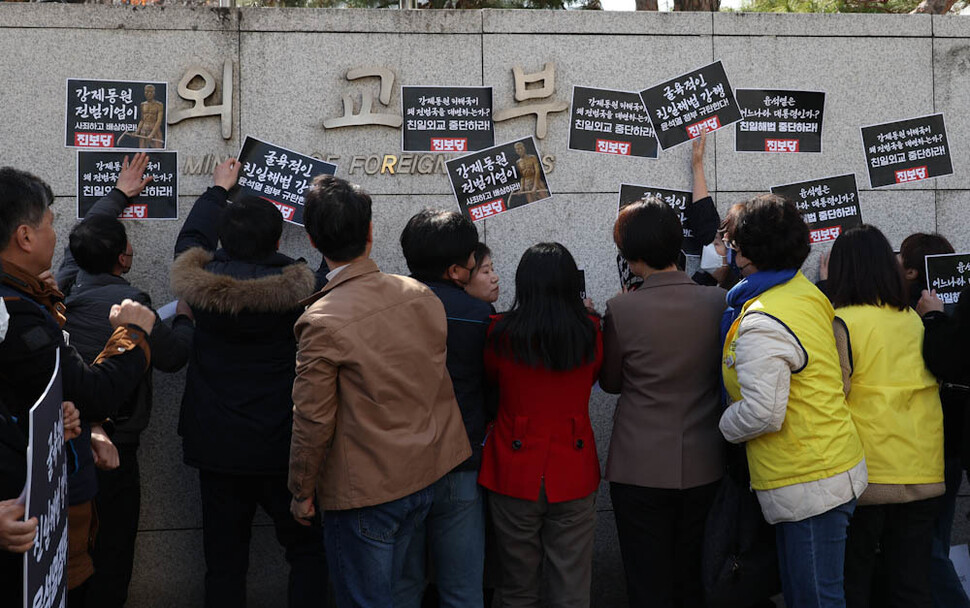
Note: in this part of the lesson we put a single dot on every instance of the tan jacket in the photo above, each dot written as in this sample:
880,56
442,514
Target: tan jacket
374,414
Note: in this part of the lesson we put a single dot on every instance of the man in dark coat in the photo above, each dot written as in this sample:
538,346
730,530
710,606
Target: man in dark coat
237,410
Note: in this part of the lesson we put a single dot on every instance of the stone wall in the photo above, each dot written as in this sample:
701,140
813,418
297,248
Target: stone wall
289,71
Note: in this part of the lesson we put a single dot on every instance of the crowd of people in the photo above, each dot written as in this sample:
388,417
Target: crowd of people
410,443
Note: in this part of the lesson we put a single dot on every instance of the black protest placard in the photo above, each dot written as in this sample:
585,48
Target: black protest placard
277,175
45,564
948,274
829,205
500,178
779,121
581,279
907,150
116,114
628,280
677,199
97,173
610,122
447,119
684,107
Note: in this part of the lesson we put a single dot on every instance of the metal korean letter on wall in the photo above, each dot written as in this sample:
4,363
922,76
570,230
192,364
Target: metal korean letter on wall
447,119
97,173
500,178
277,175
829,205
45,564
684,107
116,114
610,122
779,121
907,150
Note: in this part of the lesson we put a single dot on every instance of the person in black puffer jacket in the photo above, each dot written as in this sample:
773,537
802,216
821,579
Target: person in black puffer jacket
237,409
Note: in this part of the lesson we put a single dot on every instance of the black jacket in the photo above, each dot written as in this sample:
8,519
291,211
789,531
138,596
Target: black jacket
468,320
946,350
237,409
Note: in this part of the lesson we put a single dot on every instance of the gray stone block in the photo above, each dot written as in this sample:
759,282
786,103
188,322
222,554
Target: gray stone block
850,101
953,217
951,26
360,21
951,70
597,22
579,60
106,17
806,25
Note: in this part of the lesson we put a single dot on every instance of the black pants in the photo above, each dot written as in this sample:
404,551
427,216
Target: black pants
118,503
661,534
899,539
228,506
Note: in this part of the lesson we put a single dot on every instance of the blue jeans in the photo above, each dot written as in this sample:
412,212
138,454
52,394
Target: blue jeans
811,558
454,535
366,548
947,590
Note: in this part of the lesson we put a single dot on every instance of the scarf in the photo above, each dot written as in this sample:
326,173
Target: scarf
45,294
750,287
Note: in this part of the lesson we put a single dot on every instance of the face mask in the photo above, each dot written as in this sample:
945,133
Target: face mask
711,260
733,263
4,320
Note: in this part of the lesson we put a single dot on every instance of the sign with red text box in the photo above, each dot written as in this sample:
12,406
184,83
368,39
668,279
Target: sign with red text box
907,150
503,177
447,119
779,121
277,175
116,114
829,205
948,274
97,173
610,122
684,107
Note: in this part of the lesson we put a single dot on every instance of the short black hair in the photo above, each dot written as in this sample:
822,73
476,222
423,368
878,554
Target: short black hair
863,270
916,247
250,229
337,217
481,252
769,231
649,231
97,242
24,198
433,240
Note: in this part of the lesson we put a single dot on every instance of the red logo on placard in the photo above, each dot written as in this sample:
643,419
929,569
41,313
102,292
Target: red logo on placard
911,175
781,145
94,140
480,212
286,210
608,146
449,144
823,235
135,212
708,124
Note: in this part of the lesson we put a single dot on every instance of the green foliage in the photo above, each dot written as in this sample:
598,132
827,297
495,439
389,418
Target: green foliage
828,6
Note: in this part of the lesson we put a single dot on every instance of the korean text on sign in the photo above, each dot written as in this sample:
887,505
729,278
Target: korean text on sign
829,206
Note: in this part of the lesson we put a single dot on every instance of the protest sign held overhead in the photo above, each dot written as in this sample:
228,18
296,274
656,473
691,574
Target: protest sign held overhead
779,121
948,274
677,199
907,150
684,107
447,119
277,175
500,178
45,564
116,114
610,122
829,205
97,173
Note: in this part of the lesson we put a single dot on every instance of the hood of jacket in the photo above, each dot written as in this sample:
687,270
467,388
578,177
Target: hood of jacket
221,293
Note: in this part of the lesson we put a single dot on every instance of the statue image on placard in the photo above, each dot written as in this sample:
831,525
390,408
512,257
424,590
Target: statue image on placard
532,185
149,130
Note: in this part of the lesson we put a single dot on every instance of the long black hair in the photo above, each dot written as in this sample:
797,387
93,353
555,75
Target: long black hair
864,270
548,325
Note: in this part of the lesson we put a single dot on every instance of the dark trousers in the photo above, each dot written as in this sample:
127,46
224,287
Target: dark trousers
228,506
661,533
903,536
118,503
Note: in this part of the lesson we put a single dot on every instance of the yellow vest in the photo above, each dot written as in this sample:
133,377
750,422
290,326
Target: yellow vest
894,400
817,440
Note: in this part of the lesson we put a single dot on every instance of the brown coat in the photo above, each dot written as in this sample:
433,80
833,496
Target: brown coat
374,415
662,354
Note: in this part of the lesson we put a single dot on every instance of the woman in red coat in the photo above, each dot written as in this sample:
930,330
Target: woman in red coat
539,462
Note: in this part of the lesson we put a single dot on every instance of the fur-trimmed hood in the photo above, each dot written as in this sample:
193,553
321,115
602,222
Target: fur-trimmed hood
228,295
